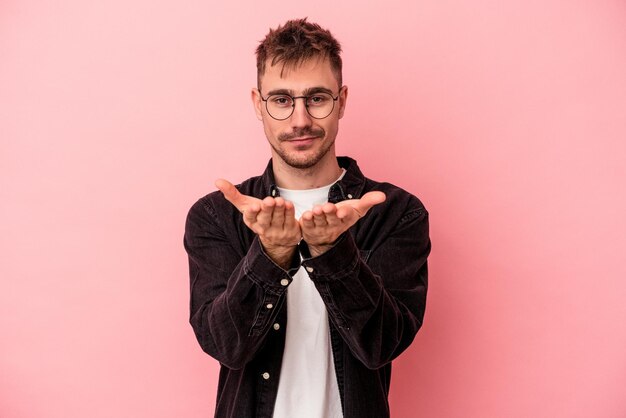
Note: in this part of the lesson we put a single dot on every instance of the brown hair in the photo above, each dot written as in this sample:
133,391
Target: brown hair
296,42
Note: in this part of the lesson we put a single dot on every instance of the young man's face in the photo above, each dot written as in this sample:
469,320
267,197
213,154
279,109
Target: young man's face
300,140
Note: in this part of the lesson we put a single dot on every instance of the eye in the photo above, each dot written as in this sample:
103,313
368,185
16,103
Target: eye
318,100
280,100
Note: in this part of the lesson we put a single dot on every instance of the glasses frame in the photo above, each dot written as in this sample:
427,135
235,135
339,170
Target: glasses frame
293,105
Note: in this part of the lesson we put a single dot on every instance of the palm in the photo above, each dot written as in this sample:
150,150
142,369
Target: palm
272,219
322,225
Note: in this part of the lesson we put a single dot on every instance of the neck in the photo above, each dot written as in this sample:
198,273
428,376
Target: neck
325,172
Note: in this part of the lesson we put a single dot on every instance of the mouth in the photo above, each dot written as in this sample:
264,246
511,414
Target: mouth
303,140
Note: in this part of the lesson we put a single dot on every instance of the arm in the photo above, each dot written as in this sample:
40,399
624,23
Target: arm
377,306
231,286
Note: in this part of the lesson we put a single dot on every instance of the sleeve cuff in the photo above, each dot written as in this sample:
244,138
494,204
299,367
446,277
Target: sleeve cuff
340,260
262,269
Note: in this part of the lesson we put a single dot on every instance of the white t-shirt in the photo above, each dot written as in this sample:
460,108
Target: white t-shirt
308,383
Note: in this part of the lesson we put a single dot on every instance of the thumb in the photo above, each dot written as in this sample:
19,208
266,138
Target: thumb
367,201
372,199
230,192
360,206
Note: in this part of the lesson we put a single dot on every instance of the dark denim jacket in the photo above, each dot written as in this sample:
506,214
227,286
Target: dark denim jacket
373,282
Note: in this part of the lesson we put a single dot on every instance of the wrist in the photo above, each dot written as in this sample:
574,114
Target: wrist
280,254
319,249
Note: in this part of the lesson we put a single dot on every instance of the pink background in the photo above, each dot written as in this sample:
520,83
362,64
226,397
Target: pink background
508,119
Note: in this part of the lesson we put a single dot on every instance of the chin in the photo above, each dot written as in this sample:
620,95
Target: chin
301,163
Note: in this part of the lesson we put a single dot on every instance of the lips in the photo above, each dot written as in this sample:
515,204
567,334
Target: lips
302,141
301,135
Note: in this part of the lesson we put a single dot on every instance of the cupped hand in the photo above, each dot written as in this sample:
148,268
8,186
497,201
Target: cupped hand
322,225
272,219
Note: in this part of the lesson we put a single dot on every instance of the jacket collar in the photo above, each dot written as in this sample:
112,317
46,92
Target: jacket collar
349,187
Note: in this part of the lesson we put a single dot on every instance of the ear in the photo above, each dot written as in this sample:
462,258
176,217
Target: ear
257,103
343,98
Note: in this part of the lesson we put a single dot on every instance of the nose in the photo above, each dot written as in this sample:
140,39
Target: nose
300,116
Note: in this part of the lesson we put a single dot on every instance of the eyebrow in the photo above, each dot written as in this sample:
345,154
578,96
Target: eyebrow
307,92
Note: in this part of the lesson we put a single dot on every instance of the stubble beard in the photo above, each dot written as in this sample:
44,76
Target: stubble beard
303,162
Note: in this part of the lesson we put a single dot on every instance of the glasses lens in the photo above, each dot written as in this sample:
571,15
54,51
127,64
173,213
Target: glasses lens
320,105
279,106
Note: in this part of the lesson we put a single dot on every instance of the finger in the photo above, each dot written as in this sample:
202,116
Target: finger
317,210
278,215
374,198
319,218
231,193
347,214
307,220
290,215
320,221
251,213
360,206
329,208
290,212
267,208
369,200
330,211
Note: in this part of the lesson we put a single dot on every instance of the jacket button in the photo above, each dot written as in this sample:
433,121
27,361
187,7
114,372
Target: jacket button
273,192
277,326
349,196
284,282
309,269
269,306
266,375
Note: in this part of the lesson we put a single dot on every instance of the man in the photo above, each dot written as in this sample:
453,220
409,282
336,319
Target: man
307,281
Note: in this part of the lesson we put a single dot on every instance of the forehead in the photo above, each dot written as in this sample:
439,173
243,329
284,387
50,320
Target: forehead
312,72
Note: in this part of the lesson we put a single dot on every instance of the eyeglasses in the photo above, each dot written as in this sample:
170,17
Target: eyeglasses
281,106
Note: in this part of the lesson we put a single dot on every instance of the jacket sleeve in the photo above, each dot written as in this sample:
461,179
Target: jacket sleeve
235,294
377,306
